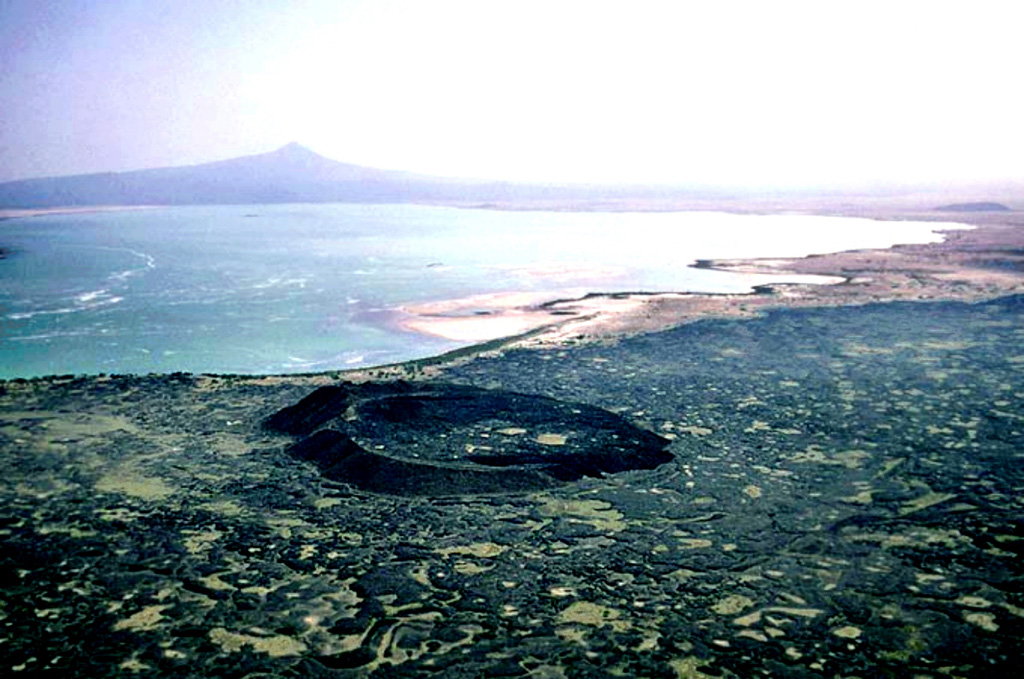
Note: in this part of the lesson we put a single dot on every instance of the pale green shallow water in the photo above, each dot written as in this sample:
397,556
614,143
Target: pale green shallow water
299,288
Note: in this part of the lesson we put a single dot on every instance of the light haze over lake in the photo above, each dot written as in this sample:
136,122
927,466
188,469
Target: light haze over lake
300,288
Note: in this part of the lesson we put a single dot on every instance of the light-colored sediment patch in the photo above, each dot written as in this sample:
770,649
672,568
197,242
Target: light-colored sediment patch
986,621
690,668
488,317
476,329
470,568
64,529
80,425
851,459
481,550
275,646
753,492
134,665
224,507
795,612
216,584
200,541
486,303
749,619
130,481
592,615
732,604
916,537
864,497
847,632
738,603
147,619
479,318
597,513
927,500
889,465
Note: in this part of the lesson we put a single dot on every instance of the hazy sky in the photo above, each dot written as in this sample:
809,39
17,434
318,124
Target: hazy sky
765,92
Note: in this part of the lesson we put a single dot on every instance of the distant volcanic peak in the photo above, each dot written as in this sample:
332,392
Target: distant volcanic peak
295,163
443,439
292,156
296,151
290,174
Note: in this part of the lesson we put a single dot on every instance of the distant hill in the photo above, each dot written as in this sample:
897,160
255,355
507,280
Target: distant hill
974,207
291,174
295,174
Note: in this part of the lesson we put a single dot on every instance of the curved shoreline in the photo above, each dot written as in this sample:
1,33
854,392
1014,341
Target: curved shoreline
599,314
843,489
967,265
487,317
981,263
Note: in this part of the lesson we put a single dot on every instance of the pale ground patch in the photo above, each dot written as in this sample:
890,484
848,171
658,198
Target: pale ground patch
275,646
487,317
130,481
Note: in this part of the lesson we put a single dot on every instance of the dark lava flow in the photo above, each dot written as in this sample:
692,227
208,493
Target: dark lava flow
846,500
405,439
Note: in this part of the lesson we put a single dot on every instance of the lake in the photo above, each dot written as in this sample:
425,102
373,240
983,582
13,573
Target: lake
302,288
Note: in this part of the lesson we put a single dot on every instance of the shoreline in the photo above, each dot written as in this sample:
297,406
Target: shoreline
960,268
853,276
833,487
25,213
980,263
837,487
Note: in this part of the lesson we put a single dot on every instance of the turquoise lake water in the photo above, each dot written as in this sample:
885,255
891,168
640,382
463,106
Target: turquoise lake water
300,288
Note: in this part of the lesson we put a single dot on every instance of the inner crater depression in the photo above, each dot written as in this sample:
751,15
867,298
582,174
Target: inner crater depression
440,439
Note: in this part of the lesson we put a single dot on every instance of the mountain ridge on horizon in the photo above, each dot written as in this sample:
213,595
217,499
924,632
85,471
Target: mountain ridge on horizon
290,174
293,173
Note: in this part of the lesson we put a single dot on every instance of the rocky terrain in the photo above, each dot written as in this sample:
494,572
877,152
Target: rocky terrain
832,487
844,497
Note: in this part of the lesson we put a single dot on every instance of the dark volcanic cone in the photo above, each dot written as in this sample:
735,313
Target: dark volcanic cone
443,439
